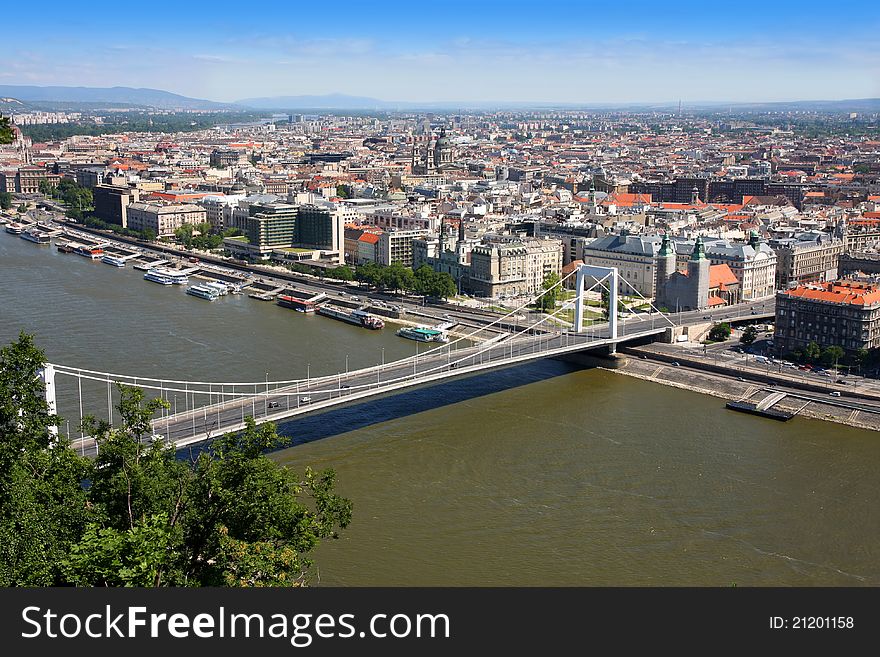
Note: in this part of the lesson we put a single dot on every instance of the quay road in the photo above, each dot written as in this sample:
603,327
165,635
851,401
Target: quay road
468,317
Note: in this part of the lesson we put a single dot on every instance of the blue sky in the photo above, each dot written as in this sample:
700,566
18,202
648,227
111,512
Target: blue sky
578,52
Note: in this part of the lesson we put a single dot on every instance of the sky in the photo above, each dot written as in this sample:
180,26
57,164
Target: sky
475,51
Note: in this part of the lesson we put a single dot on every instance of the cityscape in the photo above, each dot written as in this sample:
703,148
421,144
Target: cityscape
600,340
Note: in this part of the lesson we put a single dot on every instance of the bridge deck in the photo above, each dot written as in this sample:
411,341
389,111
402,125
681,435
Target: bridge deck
303,397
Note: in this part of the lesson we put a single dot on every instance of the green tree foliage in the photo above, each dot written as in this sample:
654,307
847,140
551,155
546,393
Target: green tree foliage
812,352
22,208
77,197
5,200
6,134
832,355
43,506
547,302
230,517
369,273
606,302
719,332
342,191
749,335
342,273
439,285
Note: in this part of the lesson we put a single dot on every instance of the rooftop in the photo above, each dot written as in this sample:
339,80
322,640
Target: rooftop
841,292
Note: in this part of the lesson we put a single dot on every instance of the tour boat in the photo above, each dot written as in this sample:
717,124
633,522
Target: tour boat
113,260
202,292
35,236
156,277
422,334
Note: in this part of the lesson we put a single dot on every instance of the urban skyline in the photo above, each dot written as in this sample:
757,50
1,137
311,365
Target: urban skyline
511,53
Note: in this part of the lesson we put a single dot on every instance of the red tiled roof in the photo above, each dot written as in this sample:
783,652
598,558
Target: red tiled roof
842,292
721,275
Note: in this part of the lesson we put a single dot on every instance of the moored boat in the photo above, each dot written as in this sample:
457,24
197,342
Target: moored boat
113,260
14,228
423,334
35,236
202,292
157,277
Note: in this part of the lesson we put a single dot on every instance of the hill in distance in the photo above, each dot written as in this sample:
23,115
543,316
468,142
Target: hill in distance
118,96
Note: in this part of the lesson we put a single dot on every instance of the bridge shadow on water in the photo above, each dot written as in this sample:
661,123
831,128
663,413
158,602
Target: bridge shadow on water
357,415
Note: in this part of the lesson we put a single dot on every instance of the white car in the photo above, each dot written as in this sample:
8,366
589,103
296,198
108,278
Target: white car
305,400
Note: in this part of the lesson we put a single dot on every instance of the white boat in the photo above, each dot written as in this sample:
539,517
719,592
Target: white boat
220,287
14,228
35,236
113,260
173,275
203,292
156,277
423,334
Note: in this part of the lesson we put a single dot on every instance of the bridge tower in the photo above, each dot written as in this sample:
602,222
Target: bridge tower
599,274
47,376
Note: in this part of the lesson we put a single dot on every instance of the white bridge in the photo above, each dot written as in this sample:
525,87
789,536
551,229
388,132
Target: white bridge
215,408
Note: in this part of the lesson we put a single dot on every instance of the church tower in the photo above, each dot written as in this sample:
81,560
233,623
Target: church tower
698,277
664,270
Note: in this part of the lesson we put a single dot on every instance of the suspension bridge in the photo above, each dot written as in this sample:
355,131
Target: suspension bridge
213,408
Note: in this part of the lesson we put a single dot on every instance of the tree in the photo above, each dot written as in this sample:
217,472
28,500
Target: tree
606,302
430,283
749,335
832,355
46,188
5,200
719,332
22,208
6,134
232,516
812,352
547,302
342,191
43,506
342,273
369,273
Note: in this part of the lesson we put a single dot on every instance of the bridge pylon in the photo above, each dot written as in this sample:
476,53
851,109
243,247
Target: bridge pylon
598,274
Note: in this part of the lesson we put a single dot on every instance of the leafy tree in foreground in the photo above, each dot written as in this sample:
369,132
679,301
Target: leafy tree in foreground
138,515
6,134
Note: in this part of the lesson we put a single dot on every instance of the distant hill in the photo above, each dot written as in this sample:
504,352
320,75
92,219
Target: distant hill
118,96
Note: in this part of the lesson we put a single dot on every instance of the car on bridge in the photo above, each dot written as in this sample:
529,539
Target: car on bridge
274,404
305,400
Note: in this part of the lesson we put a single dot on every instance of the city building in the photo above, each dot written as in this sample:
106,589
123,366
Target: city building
842,313
161,218
754,265
807,258
634,256
287,231
513,268
111,203
677,291
397,246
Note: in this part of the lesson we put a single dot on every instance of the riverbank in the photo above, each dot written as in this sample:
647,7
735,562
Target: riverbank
729,387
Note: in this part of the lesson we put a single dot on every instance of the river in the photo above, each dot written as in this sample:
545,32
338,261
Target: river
544,474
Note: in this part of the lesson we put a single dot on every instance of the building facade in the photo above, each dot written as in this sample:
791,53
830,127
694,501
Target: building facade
811,258
842,313
163,219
